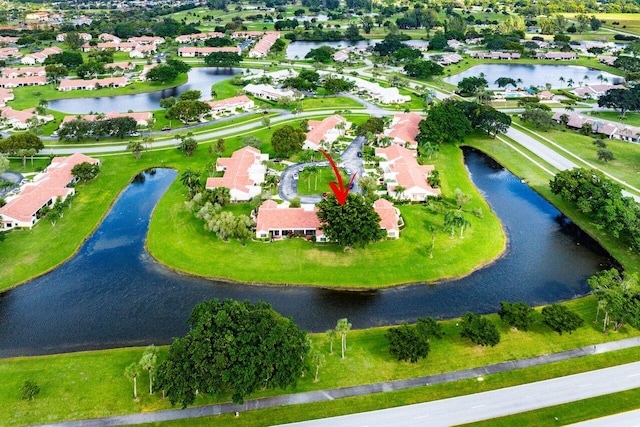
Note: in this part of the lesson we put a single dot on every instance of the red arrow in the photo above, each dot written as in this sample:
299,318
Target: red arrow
340,193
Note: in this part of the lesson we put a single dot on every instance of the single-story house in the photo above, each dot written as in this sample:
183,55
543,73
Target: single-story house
21,211
9,82
401,169
269,92
142,118
403,129
22,119
231,104
326,130
195,52
91,84
244,173
262,48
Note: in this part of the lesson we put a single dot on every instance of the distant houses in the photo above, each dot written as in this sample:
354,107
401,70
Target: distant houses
598,126
244,173
384,95
39,57
92,84
22,119
230,105
269,92
404,177
594,91
188,38
262,48
22,210
196,52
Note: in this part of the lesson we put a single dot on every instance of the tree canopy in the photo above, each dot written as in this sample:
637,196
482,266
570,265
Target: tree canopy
235,347
287,140
479,330
222,59
561,319
355,223
18,142
446,122
517,315
618,296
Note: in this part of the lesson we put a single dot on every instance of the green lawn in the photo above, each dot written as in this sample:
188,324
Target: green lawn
318,183
631,118
92,384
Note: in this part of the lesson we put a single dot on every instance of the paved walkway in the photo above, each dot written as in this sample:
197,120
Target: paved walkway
328,395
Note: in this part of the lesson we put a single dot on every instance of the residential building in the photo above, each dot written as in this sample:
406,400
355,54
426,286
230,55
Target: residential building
39,57
146,40
6,95
594,91
194,52
401,170
84,36
262,48
327,130
269,92
142,119
122,66
229,105
598,126
384,95
21,211
109,38
279,221
6,82
7,53
23,72
143,51
244,173
495,55
188,38
8,39
403,129
557,56
22,119
92,84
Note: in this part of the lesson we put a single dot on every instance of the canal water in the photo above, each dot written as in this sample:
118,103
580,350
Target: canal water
113,294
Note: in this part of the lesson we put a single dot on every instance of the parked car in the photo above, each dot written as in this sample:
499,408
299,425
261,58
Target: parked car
359,153
166,128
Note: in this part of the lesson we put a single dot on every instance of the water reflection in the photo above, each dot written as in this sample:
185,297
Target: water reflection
112,294
200,78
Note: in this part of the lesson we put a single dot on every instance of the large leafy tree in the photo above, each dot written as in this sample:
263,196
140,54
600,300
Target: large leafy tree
446,122
517,315
287,140
85,171
622,100
405,343
479,330
618,297
561,319
355,223
21,144
189,111
68,59
423,69
470,85
222,59
235,347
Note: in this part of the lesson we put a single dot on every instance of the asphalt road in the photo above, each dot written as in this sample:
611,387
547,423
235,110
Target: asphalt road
496,403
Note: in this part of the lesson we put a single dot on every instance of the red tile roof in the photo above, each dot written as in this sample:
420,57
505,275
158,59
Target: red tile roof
236,175
406,127
271,217
320,129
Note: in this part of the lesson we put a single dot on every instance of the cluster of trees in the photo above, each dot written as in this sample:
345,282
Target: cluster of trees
333,85
421,69
222,59
452,120
411,343
287,140
79,128
535,113
208,205
621,100
235,347
307,80
354,224
168,72
323,54
618,296
601,199
147,363
21,144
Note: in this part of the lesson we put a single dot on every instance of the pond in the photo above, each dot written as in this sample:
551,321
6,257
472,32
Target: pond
113,294
200,78
535,75
298,49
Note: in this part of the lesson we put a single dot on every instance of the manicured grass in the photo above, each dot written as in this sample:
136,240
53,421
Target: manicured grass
630,118
178,240
335,102
309,185
569,413
92,384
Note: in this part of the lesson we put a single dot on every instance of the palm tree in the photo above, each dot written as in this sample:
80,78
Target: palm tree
342,327
136,147
318,360
148,362
570,82
561,80
132,372
331,335
400,191
191,180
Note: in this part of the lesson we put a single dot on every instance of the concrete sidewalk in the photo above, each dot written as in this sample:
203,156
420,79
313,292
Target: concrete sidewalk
327,395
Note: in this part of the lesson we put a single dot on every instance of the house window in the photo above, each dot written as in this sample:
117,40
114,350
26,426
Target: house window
276,232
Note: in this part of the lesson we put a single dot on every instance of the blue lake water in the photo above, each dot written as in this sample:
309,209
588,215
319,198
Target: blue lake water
537,75
113,294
